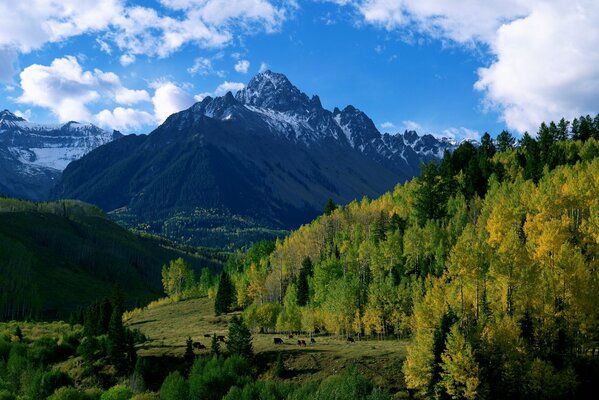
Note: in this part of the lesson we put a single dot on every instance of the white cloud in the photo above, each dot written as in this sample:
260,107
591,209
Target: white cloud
412,126
203,66
545,61
169,99
135,30
546,67
460,133
126,59
263,67
27,25
24,114
226,86
387,125
242,66
105,47
125,119
67,90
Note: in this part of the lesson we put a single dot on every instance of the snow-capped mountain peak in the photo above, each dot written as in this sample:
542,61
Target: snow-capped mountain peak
272,90
274,105
35,154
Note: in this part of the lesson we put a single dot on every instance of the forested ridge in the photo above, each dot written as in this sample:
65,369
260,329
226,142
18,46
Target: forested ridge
487,261
57,256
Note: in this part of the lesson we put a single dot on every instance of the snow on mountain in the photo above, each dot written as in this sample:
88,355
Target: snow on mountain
33,155
287,111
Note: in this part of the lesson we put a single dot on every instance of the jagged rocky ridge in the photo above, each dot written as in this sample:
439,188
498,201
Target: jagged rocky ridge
267,157
32,156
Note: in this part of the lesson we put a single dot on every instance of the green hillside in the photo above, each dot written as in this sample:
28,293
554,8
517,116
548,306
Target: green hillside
57,256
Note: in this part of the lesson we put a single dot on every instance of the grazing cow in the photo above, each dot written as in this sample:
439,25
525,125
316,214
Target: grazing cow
221,339
350,339
207,335
290,336
278,340
301,342
198,345
312,340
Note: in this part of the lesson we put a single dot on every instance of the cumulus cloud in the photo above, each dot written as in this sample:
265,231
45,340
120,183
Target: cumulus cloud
124,118
66,89
546,67
545,64
242,66
136,29
226,86
168,99
387,125
126,59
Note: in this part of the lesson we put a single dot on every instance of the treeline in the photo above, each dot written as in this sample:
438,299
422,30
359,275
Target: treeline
487,261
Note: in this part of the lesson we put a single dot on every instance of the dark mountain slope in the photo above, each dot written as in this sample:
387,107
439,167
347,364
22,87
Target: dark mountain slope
56,256
264,161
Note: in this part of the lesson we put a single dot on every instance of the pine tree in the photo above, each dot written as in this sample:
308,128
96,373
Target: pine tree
19,333
189,355
105,312
215,345
240,338
379,228
330,207
303,288
117,342
505,141
224,295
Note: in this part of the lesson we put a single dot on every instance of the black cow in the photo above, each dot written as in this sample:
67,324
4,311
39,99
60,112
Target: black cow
198,345
350,339
278,340
221,339
207,335
312,340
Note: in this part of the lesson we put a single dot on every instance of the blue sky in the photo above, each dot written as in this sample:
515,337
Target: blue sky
450,68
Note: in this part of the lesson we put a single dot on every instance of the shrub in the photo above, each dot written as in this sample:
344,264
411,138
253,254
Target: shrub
211,379
146,396
174,387
67,393
6,395
118,392
52,380
43,351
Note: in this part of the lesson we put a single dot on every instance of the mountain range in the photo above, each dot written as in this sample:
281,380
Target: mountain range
237,168
32,156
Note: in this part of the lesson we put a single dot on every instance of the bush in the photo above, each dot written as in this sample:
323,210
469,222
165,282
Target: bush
174,387
43,351
6,395
118,392
260,390
146,396
211,379
53,380
68,393
5,347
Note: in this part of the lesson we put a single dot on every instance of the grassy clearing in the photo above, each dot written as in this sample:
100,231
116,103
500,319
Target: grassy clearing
168,326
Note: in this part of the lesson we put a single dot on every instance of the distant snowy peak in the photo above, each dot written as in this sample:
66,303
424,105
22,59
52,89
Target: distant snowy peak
51,146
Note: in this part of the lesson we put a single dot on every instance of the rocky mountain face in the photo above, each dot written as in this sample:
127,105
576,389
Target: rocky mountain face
266,159
32,156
